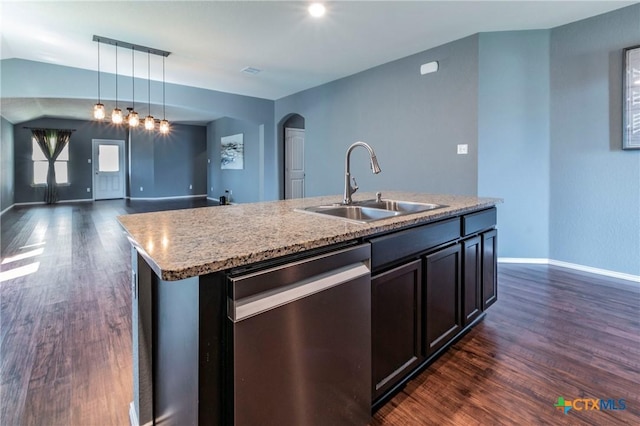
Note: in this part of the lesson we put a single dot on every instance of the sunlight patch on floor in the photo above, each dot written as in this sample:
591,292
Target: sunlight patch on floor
21,256
20,271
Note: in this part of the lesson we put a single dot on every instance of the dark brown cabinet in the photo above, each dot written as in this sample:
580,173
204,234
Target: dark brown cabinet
489,268
431,283
395,321
471,279
442,315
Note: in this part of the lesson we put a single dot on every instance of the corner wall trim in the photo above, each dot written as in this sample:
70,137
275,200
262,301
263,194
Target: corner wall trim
133,416
578,267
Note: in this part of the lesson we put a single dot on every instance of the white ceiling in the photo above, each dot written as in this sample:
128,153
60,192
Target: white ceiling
211,41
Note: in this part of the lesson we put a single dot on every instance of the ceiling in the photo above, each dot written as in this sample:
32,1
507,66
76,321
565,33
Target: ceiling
211,41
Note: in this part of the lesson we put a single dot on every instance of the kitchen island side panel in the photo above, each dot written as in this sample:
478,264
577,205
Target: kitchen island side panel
141,412
175,351
178,348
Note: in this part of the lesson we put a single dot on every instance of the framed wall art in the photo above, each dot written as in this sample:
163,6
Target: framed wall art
232,152
631,99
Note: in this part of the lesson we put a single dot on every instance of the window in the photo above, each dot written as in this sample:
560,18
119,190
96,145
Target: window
41,165
108,158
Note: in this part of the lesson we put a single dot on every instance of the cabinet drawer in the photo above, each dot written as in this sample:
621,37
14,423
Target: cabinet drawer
476,222
399,245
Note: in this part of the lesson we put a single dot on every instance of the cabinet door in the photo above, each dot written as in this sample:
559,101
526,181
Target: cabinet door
395,321
489,268
471,279
442,316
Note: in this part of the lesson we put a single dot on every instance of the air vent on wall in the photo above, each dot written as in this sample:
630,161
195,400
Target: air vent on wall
250,70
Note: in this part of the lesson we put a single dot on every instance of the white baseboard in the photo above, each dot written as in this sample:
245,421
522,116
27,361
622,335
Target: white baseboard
35,203
529,260
7,209
179,197
578,267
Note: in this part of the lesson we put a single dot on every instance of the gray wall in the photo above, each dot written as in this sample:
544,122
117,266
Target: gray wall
184,149
541,112
413,122
513,137
247,185
21,78
7,184
165,165
595,191
80,150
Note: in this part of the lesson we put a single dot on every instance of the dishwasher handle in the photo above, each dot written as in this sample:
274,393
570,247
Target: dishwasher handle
248,307
296,270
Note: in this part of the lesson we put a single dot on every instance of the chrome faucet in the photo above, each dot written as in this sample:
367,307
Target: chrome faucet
375,168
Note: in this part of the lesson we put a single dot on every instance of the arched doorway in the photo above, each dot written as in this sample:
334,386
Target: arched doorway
293,153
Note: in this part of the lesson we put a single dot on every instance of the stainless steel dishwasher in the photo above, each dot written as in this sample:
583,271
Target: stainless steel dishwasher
301,341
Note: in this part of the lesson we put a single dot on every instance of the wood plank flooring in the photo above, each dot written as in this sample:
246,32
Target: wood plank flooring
65,330
66,327
553,332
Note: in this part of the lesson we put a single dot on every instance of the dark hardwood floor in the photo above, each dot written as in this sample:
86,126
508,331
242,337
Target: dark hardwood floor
553,333
66,324
66,335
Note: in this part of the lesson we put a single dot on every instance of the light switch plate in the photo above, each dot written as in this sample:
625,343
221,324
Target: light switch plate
463,148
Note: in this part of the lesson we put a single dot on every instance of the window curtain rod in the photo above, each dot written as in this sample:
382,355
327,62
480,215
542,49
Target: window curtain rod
45,129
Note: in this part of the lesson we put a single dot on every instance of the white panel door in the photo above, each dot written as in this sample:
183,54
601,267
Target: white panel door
294,163
108,169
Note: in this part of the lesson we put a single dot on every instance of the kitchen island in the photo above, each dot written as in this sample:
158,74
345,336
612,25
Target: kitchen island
182,262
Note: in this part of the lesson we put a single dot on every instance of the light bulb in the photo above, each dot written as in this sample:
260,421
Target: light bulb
134,119
116,116
317,10
164,126
149,123
98,111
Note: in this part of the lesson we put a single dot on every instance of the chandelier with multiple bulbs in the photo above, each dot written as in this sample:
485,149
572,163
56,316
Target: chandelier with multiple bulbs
132,118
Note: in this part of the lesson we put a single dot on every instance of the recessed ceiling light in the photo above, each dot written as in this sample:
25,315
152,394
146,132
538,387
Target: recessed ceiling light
317,10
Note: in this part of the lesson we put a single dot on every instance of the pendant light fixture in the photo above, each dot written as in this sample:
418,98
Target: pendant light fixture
133,119
149,122
116,114
98,109
164,124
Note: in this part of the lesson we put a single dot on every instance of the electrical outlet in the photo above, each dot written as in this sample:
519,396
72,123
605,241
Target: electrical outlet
209,160
190,186
141,189
88,189
212,189
89,160
463,148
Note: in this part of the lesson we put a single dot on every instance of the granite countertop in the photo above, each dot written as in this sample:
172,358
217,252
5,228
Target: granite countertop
180,244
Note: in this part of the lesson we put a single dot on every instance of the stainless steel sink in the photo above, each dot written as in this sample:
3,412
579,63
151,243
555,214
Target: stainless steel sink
352,212
404,207
371,210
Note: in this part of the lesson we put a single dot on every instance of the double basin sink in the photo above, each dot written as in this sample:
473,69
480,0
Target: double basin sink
371,210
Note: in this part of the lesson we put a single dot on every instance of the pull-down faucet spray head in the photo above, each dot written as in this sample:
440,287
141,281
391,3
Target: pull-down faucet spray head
375,168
